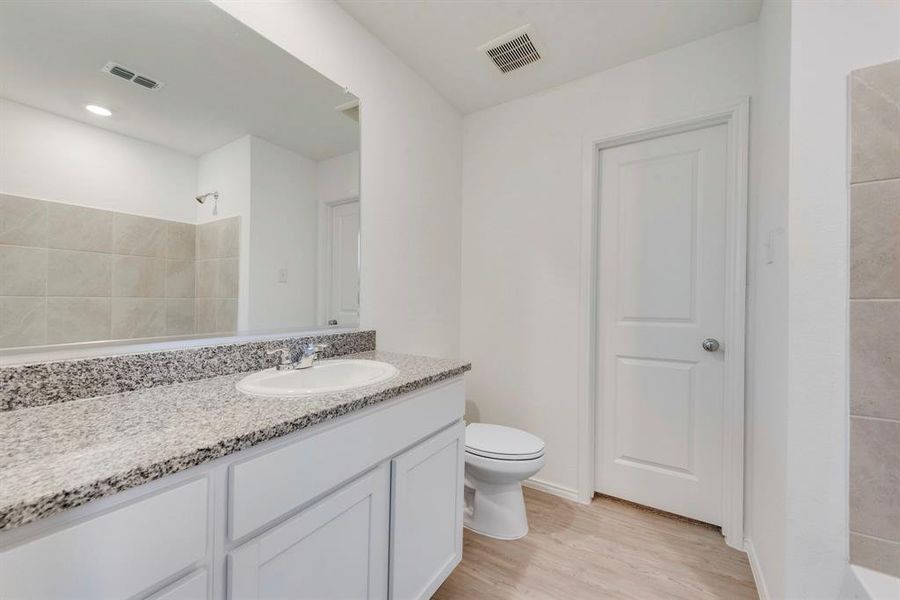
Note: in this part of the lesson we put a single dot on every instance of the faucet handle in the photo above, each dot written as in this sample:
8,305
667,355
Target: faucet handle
285,359
313,349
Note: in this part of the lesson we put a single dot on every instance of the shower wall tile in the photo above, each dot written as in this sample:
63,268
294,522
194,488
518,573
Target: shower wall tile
875,239
217,278
205,315
77,320
23,271
875,122
875,318
23,221
180,316
138,277
875,358
875,477
226,314
219,239
875,553
138,317
23,321
180,278
76,273
139,236
181,240
78,228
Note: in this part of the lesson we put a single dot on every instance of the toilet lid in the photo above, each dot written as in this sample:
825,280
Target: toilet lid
503,443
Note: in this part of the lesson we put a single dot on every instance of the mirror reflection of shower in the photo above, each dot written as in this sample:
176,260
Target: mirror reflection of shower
202,198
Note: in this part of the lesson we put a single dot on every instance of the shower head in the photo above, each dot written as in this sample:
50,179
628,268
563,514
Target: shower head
202,197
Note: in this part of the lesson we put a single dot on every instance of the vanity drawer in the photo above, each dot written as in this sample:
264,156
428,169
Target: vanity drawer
116,555
267,486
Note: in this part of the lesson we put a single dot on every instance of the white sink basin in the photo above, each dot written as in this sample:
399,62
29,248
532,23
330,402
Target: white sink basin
322,378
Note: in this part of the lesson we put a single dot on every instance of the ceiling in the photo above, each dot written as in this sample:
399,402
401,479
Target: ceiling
222,80
439,38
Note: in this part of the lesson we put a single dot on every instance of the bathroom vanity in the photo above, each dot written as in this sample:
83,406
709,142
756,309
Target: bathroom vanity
196,490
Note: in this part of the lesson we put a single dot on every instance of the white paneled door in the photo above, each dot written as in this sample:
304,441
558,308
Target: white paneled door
344,292
661,295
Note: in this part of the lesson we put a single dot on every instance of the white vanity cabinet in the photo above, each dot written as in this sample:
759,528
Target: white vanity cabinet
336,549
427,512
364,506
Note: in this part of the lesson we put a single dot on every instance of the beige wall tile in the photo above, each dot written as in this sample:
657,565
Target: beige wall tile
180,275
138,317
181,240
180,316
875,477
138,276
875,122
875,358
227,278
217,278
875,553
875,239
205,315
23,321
23,271
23,221
78,228
207,273
139,236
226,315
219,239
77,320
75,273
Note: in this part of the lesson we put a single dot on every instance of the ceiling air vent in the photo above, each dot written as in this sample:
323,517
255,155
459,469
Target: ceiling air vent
129,75
512,50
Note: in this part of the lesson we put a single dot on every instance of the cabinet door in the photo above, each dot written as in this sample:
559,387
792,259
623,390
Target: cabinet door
426,514
336,549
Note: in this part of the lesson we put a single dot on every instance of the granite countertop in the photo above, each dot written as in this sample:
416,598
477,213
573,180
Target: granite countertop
64,455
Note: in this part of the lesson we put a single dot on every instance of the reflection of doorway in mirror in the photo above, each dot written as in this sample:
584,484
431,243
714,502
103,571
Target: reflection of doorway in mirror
341,265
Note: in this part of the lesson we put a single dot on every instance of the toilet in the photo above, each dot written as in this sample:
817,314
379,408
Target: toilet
498,459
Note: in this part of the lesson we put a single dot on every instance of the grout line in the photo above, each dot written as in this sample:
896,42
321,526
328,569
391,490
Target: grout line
852,183
875,537
875,299
882,419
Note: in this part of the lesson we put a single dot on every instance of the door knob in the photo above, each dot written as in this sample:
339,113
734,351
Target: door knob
710,344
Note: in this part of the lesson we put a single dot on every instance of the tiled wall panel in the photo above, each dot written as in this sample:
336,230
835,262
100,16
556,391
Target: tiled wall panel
75,274
875,318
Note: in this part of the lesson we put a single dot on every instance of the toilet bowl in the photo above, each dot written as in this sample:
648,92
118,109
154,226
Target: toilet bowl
498,459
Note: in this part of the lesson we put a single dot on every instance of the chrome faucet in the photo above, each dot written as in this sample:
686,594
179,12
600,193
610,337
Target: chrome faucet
285,361
308,357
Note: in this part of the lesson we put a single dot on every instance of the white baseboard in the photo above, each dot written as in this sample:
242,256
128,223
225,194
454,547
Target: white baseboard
552,488
756,569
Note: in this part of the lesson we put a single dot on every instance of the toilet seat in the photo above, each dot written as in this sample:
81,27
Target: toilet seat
502,443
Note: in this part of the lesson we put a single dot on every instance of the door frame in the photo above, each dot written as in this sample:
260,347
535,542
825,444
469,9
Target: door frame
736,119
326,219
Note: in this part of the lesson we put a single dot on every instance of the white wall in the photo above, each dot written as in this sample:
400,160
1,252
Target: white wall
49,157
767,302
522,192
283,235
227,170
829,39
410,173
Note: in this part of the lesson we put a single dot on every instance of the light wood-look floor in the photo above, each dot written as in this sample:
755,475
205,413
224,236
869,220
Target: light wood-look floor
610,549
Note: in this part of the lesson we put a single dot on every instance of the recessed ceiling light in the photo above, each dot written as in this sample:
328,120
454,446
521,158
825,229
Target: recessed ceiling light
99,110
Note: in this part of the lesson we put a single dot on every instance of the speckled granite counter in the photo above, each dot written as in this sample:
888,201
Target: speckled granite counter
64,455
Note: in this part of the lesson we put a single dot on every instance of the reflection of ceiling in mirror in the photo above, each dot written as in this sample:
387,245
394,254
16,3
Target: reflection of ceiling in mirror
221,79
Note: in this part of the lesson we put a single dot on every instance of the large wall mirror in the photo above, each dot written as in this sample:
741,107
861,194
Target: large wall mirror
166,172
